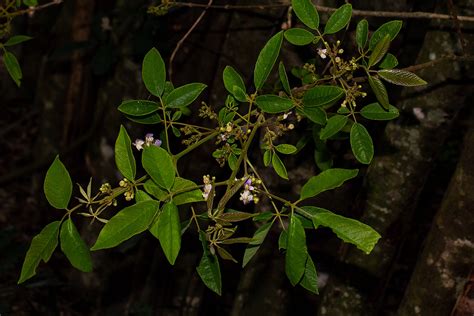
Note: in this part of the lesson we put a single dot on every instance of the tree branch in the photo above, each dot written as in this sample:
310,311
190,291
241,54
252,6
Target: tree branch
181,41
32,10
384,14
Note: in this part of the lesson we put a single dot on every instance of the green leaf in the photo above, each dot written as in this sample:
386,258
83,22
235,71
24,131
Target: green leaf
257,240
224,254
153,189
186,197
306,12
389,62
379,90
184,95
343,110
154,72
74,247
141,196
41,248
286,149
124,158
401,77
374,111
232,79
158,163
58,185
349,230
322,156
168,229
299,37
30,3
279,166
266,59
379,51
270,103
390,28
361,144
283,240
138,107
153,118
127,223
263,217
239,94
362,33
237,240
284,78
334,125
208,268
310,277
305,222
14,40
175,131
315,114
339,19
320,96
176,116
235,216
232,161
267,158
296,252
326,180
13,67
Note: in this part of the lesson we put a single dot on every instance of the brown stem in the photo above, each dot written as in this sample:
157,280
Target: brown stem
181,41
31,10
384,14
439,60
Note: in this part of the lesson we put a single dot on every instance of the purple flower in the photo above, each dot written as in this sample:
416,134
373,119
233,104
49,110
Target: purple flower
157,143
149,140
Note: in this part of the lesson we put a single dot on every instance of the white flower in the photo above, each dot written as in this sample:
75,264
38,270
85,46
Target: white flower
322,53
207,187
138,143
149,139
246,197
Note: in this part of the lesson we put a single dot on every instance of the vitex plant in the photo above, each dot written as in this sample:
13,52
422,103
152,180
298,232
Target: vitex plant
157,202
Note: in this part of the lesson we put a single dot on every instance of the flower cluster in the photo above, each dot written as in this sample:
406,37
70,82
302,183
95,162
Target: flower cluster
149,140
105,188
249,195
207,186
129,194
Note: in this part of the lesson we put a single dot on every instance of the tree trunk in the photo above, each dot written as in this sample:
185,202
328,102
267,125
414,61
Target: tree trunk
403,163
448,255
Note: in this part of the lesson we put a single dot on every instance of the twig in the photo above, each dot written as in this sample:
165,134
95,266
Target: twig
457,25
31,10
181,41
384,14
439,60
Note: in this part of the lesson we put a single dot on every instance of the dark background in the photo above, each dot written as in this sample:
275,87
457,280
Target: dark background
416,193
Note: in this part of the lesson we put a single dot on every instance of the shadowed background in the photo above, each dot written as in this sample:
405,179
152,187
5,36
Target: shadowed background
86,58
